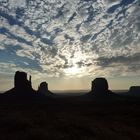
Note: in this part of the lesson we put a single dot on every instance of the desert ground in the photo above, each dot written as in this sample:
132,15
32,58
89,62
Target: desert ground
61,117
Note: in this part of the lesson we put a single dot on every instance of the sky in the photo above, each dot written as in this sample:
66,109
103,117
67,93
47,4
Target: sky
68,43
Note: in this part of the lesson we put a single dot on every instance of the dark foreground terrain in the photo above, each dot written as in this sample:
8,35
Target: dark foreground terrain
67,118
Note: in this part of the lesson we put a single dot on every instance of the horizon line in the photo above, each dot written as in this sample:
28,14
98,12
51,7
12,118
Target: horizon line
57,90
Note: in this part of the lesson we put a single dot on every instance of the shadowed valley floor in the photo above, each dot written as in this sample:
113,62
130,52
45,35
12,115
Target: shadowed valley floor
79,117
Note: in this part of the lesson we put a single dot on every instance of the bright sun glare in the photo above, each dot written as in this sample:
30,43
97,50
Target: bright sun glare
72,71
75,69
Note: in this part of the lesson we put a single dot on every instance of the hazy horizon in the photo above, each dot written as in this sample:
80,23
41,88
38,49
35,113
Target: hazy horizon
79,92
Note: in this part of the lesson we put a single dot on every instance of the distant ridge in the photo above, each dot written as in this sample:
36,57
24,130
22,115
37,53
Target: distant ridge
70,91
120,90
81,92
78,91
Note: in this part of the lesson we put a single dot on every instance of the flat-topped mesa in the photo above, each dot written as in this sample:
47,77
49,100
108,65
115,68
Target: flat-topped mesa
43,88
22,86
134,90
99,87
21,82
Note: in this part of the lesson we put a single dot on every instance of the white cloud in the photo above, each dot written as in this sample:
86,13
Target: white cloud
60,47
17,3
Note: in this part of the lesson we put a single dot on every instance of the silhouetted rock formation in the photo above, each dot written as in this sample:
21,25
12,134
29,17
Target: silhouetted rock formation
21,81
22,86
134,91
43,88
99,87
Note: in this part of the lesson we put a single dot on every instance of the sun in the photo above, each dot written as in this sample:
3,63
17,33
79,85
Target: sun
72,71
73,59
75,70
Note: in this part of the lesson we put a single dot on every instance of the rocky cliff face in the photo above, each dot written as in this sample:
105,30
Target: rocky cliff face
43,88
22,86
134,91
21,81
100,87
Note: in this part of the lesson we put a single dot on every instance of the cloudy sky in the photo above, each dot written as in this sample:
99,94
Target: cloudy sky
68,43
